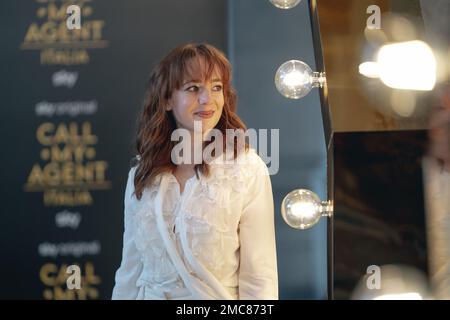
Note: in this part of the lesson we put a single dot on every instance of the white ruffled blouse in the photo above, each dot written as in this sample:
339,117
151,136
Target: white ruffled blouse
216,240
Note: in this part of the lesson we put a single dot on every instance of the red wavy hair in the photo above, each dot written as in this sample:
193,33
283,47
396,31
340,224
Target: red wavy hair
155,124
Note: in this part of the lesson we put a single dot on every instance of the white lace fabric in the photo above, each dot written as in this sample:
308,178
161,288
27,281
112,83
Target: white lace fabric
222,227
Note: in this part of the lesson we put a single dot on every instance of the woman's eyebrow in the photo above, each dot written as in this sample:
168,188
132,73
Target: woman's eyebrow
191,80
199,81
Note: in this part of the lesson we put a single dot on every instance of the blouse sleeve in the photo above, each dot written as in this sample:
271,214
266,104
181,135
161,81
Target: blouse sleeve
258,276
131,267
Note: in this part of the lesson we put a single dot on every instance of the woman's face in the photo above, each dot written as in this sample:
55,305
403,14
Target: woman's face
198,99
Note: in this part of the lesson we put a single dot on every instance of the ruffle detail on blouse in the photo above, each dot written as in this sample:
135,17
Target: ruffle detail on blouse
149,242
210,223
207,227
236,175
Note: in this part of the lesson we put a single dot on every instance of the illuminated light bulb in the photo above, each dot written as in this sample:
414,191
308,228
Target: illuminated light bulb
394,282
400,296
302,209
369,69
295,79
407,65
285,4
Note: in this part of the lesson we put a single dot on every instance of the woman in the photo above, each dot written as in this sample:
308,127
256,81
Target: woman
196,230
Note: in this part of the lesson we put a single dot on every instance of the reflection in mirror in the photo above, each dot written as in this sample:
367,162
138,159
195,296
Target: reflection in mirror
385,84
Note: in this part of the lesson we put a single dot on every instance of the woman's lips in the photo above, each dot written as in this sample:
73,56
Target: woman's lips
204,114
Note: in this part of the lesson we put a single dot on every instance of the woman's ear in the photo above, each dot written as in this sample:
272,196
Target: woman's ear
168,106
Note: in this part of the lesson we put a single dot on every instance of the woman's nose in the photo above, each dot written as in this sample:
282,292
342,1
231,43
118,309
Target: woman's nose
205,96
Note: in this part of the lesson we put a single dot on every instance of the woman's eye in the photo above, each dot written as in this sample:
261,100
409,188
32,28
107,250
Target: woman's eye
192,88
217,88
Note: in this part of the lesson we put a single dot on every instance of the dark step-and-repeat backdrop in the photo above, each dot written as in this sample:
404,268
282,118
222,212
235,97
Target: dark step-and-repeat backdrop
69,102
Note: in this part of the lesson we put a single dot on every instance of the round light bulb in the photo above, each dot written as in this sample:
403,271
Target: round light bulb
294,79
302,209
392,282
285,4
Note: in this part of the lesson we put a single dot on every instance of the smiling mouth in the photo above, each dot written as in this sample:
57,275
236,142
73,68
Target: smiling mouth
204,114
